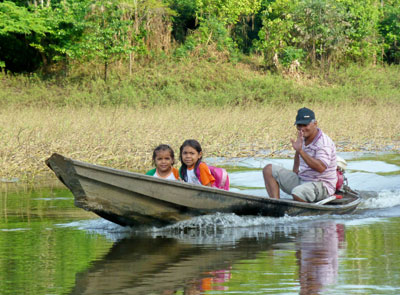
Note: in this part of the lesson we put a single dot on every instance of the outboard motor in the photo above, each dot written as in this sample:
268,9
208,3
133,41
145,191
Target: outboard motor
341,167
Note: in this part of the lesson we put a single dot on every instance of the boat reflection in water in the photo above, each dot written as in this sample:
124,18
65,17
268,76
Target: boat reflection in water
195,262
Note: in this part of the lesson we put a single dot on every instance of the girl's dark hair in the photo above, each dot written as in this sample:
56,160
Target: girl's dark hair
194,144
163,147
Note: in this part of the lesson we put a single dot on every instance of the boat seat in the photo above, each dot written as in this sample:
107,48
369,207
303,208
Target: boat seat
332,199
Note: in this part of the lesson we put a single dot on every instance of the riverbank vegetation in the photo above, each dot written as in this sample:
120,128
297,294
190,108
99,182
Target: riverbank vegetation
125,137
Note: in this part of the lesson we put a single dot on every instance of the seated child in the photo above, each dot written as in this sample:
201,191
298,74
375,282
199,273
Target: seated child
163,159
193,170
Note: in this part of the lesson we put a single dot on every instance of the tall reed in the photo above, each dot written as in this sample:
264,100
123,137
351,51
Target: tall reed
124,138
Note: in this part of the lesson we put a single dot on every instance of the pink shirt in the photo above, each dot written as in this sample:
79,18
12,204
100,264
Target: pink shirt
321,148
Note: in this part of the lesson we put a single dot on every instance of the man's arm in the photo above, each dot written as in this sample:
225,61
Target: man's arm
314,164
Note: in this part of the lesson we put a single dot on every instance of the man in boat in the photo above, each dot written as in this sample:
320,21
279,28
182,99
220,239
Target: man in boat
314,170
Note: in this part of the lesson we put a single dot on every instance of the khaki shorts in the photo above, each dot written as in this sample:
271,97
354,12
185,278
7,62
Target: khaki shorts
291,184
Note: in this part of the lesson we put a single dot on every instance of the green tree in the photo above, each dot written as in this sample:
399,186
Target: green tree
48,34
217,20
149,26
328,31
105,35
276,32
19,31
66,21
321,29
226,11
389,28
364,39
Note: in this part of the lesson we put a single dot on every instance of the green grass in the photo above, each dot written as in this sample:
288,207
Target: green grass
206,84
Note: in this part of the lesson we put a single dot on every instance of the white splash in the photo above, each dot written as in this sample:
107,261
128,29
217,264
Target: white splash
383,199
222,222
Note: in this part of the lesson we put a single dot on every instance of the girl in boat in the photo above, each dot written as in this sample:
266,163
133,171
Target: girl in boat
193,170
164,159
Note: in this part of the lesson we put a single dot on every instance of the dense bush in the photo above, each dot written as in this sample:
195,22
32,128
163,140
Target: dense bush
54,36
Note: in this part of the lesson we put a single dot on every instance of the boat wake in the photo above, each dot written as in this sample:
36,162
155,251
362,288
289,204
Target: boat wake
380,200
385,203
374,204
215,222
209,228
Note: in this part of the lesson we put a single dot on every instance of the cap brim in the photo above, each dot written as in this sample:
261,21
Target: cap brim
302,122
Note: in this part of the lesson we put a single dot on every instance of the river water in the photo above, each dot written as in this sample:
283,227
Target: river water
47,246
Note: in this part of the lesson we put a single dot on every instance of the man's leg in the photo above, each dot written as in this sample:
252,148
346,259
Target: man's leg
310,192
277,177
296,198
270,183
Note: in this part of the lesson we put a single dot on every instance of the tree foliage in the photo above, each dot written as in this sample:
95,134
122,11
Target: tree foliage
20,32
105,34
55,35
226,11
389,29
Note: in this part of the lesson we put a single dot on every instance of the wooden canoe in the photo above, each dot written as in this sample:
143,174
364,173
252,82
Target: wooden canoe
129,198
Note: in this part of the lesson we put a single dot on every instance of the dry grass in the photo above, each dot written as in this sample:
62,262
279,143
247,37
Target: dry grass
124,137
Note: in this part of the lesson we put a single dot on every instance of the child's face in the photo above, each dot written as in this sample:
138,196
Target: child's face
190,156
163,161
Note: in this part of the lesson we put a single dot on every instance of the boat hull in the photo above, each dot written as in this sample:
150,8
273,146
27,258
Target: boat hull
129,198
